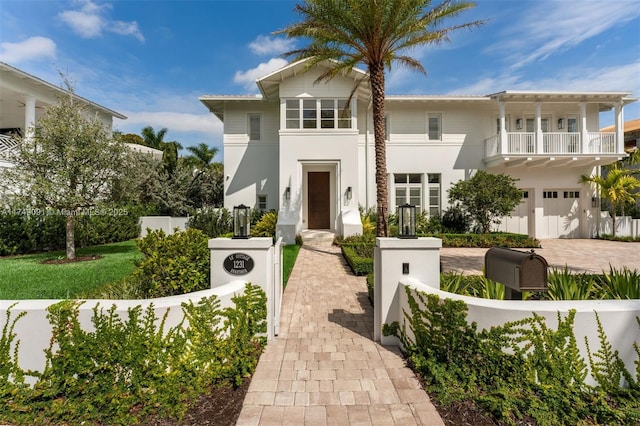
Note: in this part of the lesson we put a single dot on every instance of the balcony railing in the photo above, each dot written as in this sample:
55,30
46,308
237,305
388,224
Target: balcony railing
552,143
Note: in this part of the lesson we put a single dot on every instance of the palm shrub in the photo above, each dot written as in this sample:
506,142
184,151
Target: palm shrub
266,226
563,285
621,283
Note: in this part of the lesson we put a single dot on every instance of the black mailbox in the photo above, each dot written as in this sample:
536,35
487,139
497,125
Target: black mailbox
517,270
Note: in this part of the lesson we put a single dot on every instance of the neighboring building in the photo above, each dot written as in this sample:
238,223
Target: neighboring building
23,99
306,150
631,134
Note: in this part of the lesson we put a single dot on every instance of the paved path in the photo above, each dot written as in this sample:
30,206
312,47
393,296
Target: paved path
578,255
324,368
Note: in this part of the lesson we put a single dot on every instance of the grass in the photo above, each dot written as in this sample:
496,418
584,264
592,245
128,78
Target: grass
24,277
289,255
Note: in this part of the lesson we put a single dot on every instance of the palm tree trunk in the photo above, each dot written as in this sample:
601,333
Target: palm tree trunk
376,76
70,236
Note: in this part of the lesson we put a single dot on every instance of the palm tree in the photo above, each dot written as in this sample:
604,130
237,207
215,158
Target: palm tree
376,33
201,155
618,186
169,149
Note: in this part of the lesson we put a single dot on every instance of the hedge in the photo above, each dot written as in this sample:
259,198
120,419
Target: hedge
359,257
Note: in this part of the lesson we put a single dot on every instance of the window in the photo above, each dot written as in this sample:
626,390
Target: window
531,124
571,194
572,124
550,194
408,189
293,114
254,127
261,202
525,194
435,127
507,124
434,194
322,113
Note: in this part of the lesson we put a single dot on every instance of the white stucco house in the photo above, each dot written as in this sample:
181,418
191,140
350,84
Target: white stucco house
23,100
303,149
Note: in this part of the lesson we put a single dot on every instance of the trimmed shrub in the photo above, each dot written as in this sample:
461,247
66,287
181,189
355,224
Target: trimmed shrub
172,264
455,220
370,286
359,257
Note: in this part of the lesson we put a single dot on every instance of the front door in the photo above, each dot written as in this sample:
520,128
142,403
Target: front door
318,200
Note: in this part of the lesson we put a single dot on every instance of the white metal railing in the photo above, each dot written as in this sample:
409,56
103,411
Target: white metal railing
521,143
553,143
7,144
492,146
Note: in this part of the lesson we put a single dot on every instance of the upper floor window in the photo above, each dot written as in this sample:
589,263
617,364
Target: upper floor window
531,124
254,127
572,124
435,127
317,114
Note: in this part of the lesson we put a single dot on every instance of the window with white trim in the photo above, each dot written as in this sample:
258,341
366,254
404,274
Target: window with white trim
261,202
531,124
572,124
254,123
434,127
317,114
434,194
408,187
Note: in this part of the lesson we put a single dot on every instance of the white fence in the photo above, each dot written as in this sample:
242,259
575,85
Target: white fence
166,223
626,226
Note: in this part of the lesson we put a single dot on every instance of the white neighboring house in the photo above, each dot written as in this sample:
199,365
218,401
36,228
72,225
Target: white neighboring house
303,149
23,99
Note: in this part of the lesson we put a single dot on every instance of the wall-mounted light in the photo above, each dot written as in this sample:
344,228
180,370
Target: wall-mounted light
241,221
519,123
349,193
560,123
595,202
287,193
407,221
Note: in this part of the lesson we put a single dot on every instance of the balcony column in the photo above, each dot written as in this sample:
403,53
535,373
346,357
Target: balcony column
29,116
583,127
620,128
539,136
503,129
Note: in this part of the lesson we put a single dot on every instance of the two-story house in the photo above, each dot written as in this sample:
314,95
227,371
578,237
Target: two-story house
307,150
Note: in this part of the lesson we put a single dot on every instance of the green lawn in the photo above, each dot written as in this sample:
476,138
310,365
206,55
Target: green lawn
289,255
24,277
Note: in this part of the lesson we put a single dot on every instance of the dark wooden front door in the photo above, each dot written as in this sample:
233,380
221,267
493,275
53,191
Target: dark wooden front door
318,200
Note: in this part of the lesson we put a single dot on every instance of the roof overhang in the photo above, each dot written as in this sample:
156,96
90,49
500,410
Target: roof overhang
216,103
269,84
606,100
4,67
559,160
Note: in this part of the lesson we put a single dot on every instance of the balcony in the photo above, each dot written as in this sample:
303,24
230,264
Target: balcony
558,149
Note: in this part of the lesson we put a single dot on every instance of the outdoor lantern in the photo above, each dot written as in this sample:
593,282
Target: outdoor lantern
349,193
560,123
407,221
287,193
519,123
241,221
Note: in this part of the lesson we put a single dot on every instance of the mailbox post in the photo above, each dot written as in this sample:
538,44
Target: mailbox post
518,271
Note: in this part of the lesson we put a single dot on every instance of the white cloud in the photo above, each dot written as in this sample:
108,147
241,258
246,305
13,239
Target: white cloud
248,77
90,21
26,50
265,45
550,27
174,121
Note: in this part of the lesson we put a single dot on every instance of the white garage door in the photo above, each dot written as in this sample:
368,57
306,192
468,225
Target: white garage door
518,223
562,213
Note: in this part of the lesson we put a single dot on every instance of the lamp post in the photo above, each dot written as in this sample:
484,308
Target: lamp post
407,221
241,222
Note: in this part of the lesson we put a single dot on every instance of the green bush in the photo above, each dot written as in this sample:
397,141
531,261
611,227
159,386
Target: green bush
455,220
125,369
266,226
212,222
520,370
356,259
370,287
172,264
487,240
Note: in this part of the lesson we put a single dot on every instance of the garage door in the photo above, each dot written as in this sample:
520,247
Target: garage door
562,213
518,223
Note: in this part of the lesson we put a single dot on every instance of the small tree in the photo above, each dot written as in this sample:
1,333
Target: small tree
486,197
64,164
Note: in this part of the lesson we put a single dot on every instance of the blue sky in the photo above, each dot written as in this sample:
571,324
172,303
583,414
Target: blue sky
151,59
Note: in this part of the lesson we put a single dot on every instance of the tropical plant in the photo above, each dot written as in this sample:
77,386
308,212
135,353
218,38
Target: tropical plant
377,34
155,140
618,186
266,226
201,155
563,285
486,197
621,283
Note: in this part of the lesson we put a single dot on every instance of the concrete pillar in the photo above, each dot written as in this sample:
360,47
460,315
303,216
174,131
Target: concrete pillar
396,259
539,136
250,260
583,128
29,116
503,129
619,128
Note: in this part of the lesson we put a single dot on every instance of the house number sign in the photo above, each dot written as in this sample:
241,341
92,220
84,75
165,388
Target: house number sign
238,264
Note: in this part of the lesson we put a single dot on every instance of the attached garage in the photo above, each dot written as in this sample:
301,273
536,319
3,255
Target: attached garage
561,212
518,222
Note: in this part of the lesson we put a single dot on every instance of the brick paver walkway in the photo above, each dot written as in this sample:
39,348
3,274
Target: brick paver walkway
324,368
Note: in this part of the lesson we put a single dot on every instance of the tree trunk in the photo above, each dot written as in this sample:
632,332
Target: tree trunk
376,78
71,246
